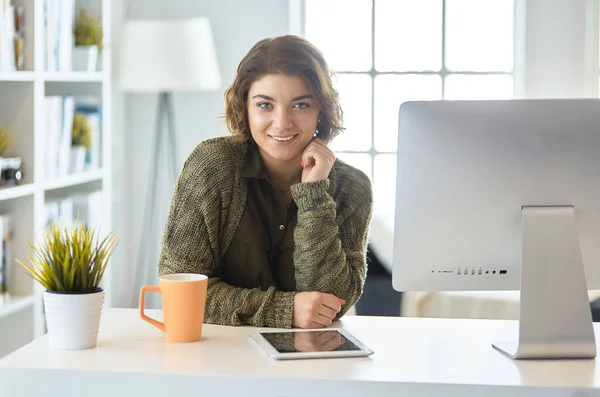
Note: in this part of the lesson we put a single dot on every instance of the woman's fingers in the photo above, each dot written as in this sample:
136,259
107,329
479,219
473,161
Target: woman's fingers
328,312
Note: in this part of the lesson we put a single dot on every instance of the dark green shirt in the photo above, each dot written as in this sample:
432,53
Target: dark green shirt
261,253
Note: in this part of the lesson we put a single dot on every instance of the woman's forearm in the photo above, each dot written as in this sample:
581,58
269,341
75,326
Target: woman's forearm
329,257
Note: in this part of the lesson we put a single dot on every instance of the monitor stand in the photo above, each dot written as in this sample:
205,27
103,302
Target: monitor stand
555,319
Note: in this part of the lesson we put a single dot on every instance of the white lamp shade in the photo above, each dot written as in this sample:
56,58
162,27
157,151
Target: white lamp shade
168,56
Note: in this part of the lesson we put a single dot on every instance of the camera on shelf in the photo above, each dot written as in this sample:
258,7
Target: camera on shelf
11,171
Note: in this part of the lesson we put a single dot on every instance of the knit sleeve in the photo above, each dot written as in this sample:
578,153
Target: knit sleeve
190,244
331,247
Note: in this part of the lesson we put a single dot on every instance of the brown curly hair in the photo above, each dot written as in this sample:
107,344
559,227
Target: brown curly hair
289,55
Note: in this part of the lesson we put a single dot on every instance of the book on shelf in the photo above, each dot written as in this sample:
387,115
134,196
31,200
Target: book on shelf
64,154
59,16
86,207
12,37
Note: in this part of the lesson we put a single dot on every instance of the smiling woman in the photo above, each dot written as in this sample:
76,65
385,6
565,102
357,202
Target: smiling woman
282,117
278,225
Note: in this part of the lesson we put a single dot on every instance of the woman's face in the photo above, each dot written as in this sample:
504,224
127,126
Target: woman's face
282,116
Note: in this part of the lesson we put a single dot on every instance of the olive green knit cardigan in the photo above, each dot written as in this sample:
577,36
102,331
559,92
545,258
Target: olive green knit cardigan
330,235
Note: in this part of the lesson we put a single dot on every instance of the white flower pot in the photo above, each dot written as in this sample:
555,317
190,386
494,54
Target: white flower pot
77,163
73,319
85,58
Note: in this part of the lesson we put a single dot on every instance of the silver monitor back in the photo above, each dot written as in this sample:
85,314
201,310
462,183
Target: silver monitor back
466,169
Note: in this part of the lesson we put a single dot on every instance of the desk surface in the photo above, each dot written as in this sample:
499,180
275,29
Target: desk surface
417,356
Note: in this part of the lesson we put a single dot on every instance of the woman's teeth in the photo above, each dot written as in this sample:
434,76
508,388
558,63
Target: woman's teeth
280,139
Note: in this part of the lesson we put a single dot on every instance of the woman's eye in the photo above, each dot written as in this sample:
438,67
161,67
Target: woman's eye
302,105
264,105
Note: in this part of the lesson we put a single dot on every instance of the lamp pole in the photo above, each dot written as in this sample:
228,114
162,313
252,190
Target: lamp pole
147,252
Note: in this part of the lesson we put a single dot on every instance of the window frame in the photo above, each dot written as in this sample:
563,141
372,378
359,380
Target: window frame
297,23
297,26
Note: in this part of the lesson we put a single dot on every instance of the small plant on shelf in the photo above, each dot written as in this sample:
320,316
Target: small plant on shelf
82,131
5,141
87,29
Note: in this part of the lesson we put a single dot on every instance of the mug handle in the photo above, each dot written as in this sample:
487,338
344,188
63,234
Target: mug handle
149,288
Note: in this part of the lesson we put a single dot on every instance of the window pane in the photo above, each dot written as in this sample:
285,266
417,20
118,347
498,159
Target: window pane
362,161
355,97
390,92
460,86
384,185
341,32
479,35
397,24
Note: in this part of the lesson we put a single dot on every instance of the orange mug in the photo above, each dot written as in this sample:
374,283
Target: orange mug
183,297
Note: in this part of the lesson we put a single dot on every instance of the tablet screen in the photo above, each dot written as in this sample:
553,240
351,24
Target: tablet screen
312,341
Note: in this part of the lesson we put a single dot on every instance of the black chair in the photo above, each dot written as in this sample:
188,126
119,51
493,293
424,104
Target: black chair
595,306
379,297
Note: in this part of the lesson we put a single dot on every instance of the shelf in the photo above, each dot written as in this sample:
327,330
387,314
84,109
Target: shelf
7,193
25,109
17,76
15,304
74,180
74,77
59,77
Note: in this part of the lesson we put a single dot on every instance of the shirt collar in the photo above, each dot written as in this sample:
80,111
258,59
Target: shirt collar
254,166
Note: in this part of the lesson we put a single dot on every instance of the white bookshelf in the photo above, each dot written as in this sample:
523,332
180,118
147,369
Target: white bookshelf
22,112
13,192
74,180
17,76
75,77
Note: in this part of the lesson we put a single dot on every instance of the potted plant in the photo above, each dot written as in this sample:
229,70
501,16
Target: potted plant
87,31
69,264
81,141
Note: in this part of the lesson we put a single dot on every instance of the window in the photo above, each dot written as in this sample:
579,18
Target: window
385,52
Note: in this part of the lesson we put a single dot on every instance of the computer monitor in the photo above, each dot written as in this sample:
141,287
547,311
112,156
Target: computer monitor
504,195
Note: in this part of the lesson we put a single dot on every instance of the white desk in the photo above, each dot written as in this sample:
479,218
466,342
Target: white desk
413,357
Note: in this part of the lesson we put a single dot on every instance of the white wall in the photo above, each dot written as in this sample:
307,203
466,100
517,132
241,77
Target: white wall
237,25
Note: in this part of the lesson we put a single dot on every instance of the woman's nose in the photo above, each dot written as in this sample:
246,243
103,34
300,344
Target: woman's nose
282,119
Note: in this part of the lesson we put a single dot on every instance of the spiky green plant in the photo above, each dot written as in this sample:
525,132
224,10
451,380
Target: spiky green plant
71,261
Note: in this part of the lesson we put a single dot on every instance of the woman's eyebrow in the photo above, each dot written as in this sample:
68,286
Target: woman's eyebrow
268,98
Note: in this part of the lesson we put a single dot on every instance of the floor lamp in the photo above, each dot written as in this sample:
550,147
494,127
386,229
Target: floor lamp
163,57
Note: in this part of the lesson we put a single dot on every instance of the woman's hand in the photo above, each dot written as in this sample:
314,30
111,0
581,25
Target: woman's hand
315,309
317,160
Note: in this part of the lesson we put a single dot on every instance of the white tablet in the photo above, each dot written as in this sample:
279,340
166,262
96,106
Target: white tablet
310,343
